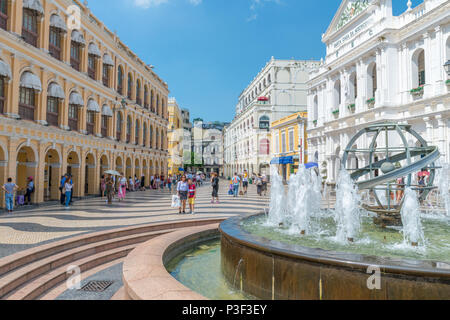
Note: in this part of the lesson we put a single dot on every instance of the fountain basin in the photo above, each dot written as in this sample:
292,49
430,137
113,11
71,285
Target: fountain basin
270,269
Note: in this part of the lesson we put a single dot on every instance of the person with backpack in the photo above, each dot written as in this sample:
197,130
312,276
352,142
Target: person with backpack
236,182
9,189
30,190
215,187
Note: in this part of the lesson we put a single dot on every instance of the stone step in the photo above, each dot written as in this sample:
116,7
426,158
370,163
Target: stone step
10,282
18,260
36,288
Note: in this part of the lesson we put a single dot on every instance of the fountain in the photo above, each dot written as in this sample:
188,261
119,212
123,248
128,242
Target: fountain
300,249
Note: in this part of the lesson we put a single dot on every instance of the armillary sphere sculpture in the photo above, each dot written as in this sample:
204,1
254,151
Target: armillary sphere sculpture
402,159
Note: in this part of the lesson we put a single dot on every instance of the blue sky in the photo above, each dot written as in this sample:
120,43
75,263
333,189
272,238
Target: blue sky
208,51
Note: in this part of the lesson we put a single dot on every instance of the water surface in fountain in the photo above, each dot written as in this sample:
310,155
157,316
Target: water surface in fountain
348,228
199,269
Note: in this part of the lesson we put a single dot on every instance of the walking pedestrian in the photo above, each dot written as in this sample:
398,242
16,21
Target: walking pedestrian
236,181
61,187
68,186
109,183
143,183
30,190
102,186
9,189
169,182
192,196
182,189
215,187
259,185
123,185
245,181
264,184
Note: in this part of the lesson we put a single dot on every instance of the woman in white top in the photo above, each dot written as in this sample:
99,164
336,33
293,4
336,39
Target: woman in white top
68,186
122,187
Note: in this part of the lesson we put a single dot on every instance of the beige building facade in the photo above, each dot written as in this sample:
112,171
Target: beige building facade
74,100
175,134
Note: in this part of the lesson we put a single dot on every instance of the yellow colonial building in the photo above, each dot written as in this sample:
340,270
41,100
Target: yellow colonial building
175,135
289,147
74,98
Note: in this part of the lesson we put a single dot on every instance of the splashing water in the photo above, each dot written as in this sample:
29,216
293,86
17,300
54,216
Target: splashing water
347,212
308,200
443,184
412,225
277,211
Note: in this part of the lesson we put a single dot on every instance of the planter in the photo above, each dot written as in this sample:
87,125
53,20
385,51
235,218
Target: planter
417,92
335,114
370,103
351,107
315,123
447,83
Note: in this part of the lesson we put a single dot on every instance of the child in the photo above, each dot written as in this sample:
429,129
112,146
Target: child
192,195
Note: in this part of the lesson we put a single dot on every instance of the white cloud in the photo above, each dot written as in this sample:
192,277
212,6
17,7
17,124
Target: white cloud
255,4
145,4
148,3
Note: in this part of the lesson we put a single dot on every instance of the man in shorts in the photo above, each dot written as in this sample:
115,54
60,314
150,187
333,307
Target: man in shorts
191,195
245,181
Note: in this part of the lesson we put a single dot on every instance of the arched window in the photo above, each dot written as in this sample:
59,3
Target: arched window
136,133
55,95
27,96
151,136
130,86
353,86
152,103
129,124
76,44
264,146
316,108
2,95
146,97
269,79
158,111
90,122
138,93
119,126
57,28
162,140
144,135
120,81
337,94
4,14
157,139
30,26
264,122
418,66
372,80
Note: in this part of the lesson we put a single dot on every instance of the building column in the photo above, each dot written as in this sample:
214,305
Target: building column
41,110
12,103
442,137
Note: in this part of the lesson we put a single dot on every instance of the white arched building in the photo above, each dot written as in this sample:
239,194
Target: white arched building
380,67
277,91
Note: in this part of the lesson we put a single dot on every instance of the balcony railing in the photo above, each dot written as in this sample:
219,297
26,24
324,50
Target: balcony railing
105,81
91,73
90,128
52,119
73,124
26,112
29,37
55,52
104,132
75,64
118,135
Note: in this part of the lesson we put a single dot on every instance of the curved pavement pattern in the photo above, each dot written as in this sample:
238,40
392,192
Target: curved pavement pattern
36,227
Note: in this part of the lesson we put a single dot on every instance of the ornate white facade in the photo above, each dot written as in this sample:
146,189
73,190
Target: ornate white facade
277,91
380,67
